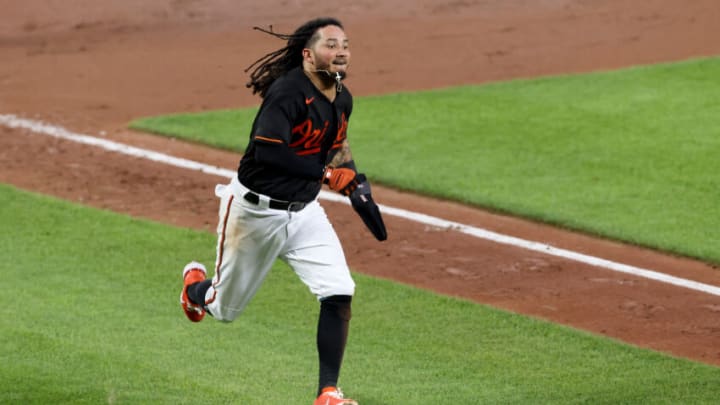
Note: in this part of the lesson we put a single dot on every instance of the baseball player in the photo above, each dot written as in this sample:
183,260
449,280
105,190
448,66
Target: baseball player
270,209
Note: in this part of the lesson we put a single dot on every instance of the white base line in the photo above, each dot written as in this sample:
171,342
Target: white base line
13,121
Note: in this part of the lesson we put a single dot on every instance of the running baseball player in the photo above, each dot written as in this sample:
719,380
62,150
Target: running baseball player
270,209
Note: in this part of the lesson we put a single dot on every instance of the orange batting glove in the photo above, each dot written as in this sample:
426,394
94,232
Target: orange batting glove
340,179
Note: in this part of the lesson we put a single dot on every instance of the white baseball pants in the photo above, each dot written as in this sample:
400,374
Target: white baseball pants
252,236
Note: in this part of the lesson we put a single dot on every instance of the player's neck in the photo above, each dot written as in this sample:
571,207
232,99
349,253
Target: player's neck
322,82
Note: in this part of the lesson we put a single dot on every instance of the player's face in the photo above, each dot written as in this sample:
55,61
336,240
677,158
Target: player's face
332,51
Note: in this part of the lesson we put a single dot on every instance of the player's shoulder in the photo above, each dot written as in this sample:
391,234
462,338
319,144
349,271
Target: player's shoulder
287,93
293,82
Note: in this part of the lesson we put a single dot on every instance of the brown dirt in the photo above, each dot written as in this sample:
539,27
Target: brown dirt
95,66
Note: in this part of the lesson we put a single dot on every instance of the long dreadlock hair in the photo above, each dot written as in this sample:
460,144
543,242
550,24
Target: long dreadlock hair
277,63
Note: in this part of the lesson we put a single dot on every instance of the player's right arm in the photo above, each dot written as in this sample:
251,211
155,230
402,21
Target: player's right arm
272,134
280,156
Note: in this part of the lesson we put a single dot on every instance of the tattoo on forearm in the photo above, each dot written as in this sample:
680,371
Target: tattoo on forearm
342,156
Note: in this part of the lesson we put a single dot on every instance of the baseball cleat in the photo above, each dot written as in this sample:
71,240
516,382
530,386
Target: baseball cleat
192,273
333,396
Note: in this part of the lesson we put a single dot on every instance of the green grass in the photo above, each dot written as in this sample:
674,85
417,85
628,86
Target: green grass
225,129
629,154
90,315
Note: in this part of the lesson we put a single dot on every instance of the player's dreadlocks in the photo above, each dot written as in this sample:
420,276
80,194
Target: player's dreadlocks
277,63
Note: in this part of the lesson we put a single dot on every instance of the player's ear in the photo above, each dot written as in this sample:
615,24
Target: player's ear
307,55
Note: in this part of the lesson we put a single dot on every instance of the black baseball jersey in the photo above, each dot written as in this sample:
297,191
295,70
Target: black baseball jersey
295,134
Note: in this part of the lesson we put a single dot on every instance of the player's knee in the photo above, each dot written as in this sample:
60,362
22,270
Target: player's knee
339,305
342,287
222,314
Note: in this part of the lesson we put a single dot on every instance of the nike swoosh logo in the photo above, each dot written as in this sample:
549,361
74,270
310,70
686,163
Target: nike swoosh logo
309,100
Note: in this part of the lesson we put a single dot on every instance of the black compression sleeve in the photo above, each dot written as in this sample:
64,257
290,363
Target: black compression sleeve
280,156
196,292
332,334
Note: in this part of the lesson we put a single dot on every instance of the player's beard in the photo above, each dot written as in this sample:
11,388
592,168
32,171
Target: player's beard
343,73
330,76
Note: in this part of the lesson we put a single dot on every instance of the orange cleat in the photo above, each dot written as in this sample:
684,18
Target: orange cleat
192,273
333,396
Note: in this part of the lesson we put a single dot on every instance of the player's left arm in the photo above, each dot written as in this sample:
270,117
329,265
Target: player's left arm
343,157
360,194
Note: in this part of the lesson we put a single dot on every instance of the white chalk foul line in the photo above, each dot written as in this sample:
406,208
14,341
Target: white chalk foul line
13,121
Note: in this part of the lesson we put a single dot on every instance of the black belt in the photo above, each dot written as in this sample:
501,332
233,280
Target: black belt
276,204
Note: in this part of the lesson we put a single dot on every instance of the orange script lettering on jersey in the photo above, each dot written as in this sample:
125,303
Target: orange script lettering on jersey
309,139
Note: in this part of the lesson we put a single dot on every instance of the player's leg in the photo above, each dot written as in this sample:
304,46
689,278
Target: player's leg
315,254
249,240
197,288
332,334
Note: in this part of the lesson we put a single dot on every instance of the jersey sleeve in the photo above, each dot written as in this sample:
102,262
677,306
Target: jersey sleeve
275,119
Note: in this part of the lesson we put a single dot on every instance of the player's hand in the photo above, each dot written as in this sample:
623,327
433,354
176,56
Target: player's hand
340,179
